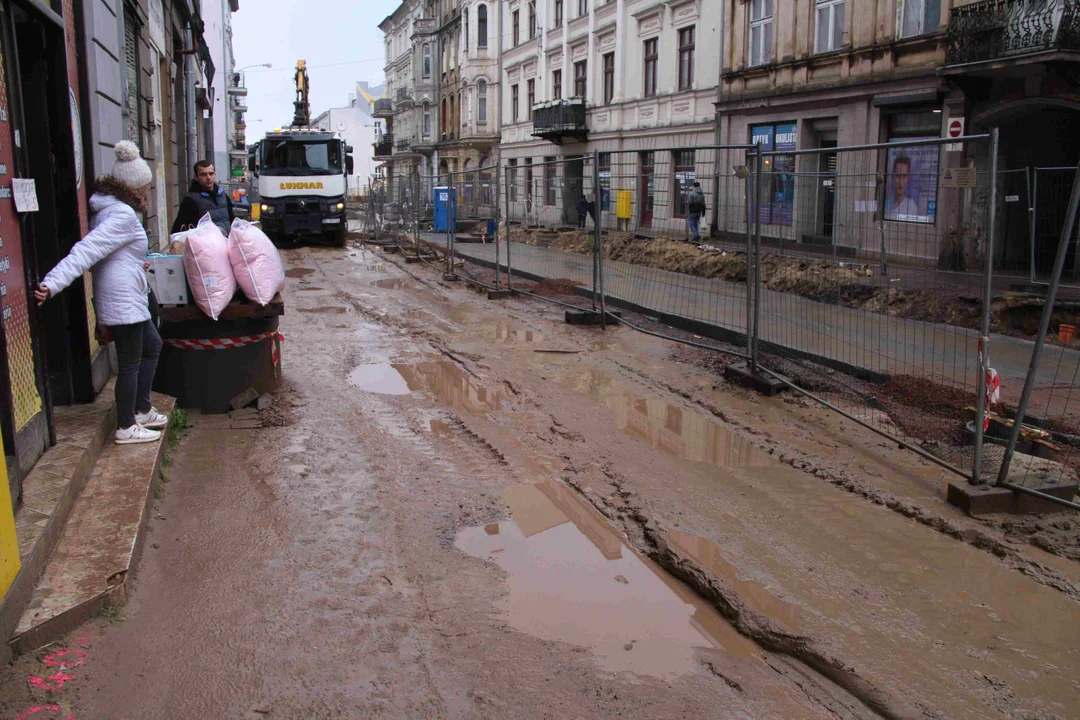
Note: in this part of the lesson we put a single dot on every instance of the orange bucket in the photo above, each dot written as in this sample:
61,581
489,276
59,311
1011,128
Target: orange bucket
1066,333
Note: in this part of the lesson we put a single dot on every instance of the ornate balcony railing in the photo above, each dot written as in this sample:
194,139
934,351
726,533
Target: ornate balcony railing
1000,29
384,108
385,146
563,118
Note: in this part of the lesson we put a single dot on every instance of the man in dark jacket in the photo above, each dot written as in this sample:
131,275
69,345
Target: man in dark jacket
204,196
695,201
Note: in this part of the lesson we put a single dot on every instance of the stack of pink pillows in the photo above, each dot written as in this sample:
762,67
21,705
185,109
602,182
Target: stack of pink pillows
215,265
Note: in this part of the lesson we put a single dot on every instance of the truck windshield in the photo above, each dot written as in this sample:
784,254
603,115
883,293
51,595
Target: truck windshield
299,157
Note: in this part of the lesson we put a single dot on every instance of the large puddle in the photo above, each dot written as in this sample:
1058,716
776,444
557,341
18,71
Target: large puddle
573,579
379,378
671,429
452,386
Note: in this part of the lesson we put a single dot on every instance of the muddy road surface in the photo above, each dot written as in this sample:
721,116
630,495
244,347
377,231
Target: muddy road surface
465,508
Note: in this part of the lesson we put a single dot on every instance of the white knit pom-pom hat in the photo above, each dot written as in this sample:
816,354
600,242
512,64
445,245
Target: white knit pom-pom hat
130,169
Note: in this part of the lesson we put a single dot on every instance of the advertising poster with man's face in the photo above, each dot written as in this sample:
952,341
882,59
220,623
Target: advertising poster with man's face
911,185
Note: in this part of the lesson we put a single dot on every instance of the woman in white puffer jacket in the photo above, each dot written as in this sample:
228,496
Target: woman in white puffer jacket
115,253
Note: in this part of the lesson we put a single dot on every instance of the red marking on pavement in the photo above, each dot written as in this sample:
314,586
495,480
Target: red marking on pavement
52,682
65,658
38,709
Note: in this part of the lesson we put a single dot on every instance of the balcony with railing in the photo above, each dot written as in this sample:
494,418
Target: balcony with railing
236,84
425,26
384,108
384,146
404,97
990,30
561,119
403,145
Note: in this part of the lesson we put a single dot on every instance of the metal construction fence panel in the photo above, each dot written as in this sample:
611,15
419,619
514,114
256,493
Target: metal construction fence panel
862,275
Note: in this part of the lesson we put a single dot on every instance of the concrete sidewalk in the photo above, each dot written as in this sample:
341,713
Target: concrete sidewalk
858,339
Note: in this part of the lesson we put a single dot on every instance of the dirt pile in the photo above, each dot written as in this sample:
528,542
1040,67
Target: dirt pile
825,281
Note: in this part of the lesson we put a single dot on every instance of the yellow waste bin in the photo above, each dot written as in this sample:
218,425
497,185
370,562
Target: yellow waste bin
9,543
623,204
256,211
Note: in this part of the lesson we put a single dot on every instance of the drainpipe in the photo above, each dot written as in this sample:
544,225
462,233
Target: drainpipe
717,169
189,97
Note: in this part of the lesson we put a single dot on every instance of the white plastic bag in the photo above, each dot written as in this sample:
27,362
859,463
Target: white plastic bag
209,272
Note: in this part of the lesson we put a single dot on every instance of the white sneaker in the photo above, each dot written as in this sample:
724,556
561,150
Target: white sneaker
152,420
136,434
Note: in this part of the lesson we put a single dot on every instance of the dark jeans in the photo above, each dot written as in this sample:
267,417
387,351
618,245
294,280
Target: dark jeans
137,350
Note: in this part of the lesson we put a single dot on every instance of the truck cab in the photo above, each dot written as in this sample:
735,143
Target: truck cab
301,176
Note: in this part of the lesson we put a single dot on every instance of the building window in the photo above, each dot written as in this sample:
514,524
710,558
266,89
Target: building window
830,25
920,17
442,119
609,78
761,25
582,8
581,74
511,179
684,177
558,13
912,172
650,66
647,189
517,28
532,20
686,58
515,102
465,26
530,98
778,200
556,84
550,181
481,102
132,104
481,26
453,119
427,62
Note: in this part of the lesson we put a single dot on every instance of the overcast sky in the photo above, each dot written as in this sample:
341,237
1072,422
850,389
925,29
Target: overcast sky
340,39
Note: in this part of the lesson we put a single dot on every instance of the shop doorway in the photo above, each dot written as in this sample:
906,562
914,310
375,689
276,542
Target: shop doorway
647,189
43,110
574,188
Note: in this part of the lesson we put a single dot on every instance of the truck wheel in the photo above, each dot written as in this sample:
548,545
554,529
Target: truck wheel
339,238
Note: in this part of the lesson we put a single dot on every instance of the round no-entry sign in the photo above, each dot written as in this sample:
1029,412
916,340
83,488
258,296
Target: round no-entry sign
956,128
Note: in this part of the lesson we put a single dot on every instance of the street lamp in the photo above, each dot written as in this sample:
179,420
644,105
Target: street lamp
265,65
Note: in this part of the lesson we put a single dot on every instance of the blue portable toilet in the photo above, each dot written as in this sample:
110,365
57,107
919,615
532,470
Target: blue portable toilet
445,202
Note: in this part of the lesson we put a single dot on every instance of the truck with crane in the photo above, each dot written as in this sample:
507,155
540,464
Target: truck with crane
301,174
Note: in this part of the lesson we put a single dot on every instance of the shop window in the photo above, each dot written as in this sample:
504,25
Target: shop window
603,160
829,22
761,27
778,197
683,179
912,172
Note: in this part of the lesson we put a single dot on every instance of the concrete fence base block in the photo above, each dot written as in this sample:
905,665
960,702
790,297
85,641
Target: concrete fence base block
450,277
743,375
498,294
988,499
591,317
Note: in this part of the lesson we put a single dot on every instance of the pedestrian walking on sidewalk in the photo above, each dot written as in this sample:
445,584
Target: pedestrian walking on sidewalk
695,208
582,211
115,253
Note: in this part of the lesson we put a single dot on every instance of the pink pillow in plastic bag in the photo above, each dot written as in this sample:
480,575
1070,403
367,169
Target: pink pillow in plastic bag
209,272
255,262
